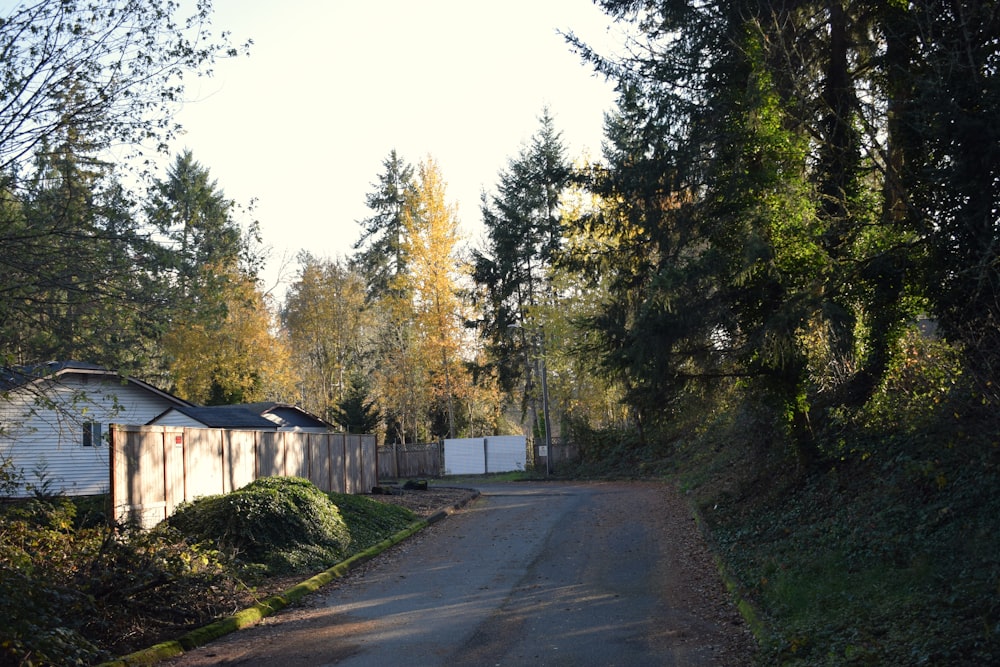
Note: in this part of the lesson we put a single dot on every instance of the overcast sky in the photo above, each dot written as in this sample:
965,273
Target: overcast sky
304,123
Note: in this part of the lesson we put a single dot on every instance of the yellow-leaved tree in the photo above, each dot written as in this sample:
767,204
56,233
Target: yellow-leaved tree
326,322
432,284
236,358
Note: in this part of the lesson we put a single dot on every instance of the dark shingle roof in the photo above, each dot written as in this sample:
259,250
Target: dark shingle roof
227,416
285,414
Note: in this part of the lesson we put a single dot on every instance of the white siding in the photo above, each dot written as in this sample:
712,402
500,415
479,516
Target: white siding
42,428
177,418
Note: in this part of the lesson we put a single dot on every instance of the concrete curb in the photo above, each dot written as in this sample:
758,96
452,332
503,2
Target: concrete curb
745,608
253,615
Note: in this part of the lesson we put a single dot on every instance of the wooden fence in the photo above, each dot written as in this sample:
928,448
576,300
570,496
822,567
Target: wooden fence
154,468
562,452
411,460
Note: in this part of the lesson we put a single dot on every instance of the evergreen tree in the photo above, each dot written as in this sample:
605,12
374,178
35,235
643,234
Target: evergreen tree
749,237
78,78
220,344
196,220
79,283
524,235
381,252
356,411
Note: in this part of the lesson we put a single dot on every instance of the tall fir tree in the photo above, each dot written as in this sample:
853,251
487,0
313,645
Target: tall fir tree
524,236
380,252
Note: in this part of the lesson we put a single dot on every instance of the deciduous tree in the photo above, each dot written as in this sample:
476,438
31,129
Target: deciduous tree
432,282
328,325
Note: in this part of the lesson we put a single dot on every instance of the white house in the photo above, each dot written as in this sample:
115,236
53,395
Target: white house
54,421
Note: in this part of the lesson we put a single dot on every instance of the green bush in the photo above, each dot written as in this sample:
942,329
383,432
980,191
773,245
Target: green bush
41,616
285,523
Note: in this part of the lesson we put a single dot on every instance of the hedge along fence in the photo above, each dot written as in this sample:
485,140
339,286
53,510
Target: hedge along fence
154,468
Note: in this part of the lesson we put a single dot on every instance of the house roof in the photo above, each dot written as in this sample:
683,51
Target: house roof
226,416
15,377
285,414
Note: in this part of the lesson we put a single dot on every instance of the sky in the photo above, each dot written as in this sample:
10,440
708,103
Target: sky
303,124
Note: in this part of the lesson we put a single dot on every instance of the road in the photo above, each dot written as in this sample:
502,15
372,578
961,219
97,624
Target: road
528,574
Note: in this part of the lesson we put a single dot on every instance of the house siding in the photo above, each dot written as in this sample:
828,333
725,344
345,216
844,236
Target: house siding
42,428
176,418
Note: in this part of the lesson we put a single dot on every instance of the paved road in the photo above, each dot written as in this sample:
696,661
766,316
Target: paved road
528,574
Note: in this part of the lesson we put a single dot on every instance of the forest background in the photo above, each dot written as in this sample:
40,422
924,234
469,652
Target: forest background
784,267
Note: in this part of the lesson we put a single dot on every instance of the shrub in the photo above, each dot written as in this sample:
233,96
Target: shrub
286,523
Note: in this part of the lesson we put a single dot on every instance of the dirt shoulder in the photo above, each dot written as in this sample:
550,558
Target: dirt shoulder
426,503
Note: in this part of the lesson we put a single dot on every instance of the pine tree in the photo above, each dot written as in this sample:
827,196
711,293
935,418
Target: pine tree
79,281
220,344
524,229
76,79
381,252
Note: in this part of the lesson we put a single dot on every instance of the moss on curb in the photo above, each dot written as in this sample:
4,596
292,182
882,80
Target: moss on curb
743,605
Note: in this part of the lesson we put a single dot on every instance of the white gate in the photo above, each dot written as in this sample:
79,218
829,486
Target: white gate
476,456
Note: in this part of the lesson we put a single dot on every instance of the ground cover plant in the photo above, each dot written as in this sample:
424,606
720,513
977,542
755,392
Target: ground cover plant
73,591
882,550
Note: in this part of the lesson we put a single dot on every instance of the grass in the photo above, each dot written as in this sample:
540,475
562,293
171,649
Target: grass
512,476
369,521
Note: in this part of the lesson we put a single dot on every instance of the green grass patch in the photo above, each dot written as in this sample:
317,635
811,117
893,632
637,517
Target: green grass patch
370,521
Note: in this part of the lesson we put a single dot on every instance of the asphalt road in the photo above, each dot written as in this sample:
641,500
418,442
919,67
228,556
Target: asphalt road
528,574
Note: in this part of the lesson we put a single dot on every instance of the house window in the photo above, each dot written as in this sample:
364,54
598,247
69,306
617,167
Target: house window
91,434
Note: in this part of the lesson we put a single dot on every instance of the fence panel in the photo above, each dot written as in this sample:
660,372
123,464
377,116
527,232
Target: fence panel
203,462
352,465
173,450
137,497
153,468
464,456
271,458
296,455
338,447
368,447
411,460
240,453
476,456
563,452
319,460
506,453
